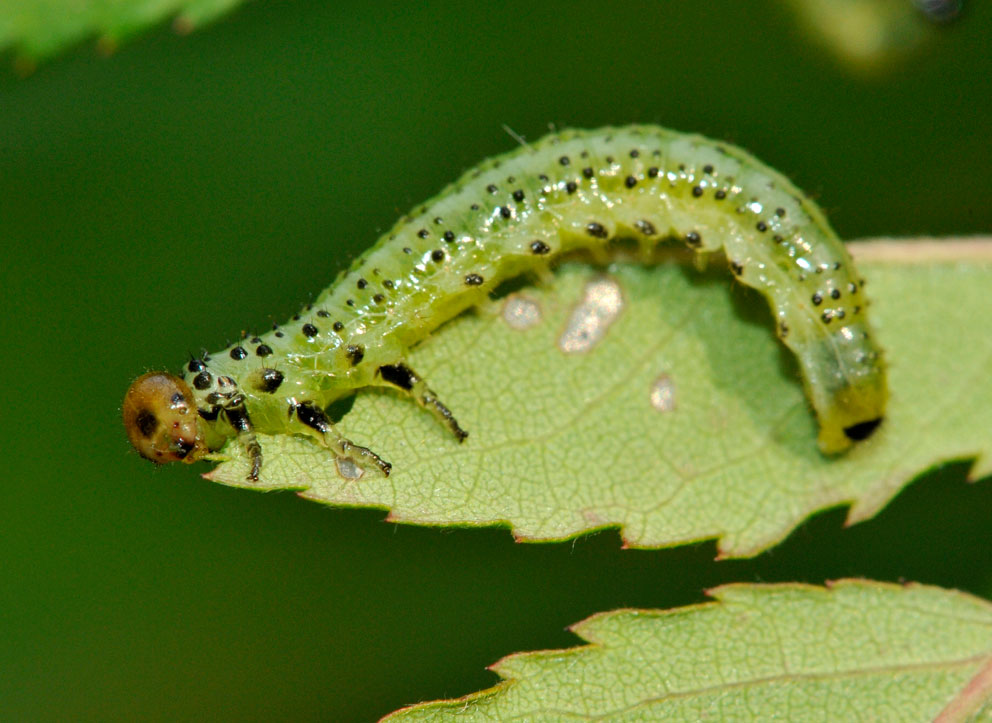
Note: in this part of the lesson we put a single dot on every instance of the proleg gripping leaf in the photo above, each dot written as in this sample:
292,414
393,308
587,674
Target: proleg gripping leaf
856,650
684,421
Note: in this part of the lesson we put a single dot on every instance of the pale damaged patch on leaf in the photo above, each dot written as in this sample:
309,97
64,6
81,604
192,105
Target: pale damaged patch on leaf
855,650
561,444
36,29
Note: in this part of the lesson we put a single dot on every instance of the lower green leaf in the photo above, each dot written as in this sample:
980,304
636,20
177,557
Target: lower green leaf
856,650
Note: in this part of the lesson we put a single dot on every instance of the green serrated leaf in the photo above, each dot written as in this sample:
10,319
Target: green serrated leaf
40,28
857,650
562,444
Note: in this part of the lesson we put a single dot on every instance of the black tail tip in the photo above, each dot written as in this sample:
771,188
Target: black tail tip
862,430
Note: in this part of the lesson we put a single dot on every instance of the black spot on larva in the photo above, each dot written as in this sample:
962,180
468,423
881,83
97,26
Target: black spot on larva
511,179
474,207
147,423
852,288
837,265
816,299
840,314
564,160
697,191
588,172
362,283
437,255
388,283
609,159
309,331
646,227
491,188
505,211
263,350
448,236
835,294
203,380
337,326
378,298
653,172
862,430
399,375
280,335
783,329
827,316
296,317
256,340
708,169
311,416
518,195
407,250
323,314
780,212
438,220
543,177
818,269
473,280
178,398
270,380
195,365
539,248
777,239
737,268
355,353
635,153
693,239
720,194
571,187
761,226
682,167
349,302
422,233
596,230
630,182
238,353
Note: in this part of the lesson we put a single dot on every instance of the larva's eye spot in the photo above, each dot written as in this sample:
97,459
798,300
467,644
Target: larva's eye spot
160,419
861,431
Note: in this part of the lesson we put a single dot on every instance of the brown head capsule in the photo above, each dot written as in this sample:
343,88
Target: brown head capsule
160,418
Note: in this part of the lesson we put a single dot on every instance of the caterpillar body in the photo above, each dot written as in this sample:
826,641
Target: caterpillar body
572,190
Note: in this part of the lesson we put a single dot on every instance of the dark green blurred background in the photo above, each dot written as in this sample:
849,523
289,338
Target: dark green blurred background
186,188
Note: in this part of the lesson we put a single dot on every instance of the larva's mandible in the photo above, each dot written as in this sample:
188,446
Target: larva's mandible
569,191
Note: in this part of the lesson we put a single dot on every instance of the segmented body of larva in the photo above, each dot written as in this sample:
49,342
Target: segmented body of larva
570,191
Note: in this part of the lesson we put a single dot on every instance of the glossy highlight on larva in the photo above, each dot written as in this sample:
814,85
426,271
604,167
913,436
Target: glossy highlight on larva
571,191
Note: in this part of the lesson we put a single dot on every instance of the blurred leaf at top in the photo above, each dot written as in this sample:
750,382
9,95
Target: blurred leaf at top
36,29
869,36
686,421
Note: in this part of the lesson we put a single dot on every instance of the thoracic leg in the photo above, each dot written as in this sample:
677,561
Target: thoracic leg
314,418
237,415
404,378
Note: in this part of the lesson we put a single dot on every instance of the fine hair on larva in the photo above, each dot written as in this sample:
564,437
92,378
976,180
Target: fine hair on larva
571,191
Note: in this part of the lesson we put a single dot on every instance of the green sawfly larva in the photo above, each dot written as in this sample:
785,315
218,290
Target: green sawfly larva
571,191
